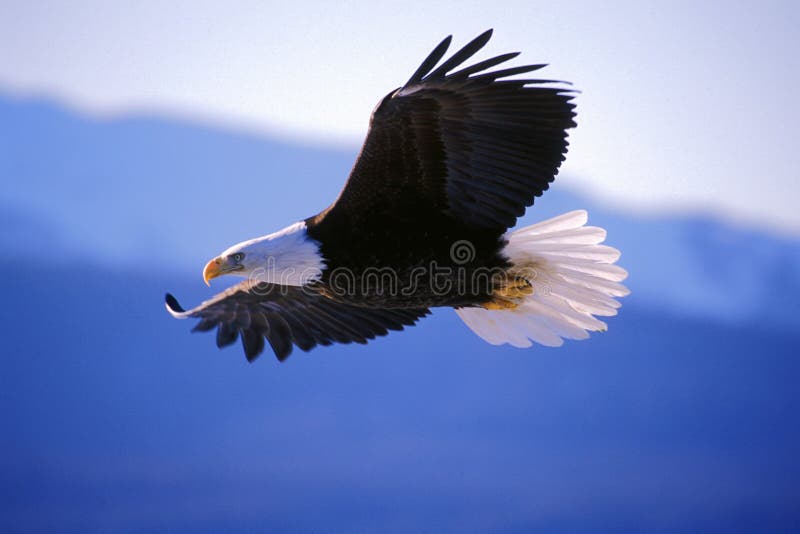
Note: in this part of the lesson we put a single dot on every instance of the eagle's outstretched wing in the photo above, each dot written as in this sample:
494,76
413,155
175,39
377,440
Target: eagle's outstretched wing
287,316
471,143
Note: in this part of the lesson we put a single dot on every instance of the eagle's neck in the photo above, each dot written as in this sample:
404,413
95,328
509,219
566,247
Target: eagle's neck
287,257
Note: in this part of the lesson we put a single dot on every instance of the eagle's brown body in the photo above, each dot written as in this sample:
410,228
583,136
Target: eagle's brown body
452,159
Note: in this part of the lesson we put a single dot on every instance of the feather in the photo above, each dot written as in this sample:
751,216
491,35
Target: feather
289,316
572,280
462,55
430,61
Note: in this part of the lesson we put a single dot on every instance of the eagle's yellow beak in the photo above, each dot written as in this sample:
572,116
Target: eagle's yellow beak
213,269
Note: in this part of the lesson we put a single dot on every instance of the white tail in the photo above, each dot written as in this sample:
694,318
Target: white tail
573,279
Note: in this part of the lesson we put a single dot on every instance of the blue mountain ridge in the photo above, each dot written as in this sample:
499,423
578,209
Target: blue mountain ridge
682,417
168,195
115,418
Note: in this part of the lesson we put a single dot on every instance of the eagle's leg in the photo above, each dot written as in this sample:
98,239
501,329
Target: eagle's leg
509,288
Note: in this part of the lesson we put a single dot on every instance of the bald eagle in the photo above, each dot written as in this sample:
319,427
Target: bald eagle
451,160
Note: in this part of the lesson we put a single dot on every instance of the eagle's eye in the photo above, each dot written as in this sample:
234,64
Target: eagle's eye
239,256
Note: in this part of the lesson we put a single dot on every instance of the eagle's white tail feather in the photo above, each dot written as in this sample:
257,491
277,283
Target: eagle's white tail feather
573,279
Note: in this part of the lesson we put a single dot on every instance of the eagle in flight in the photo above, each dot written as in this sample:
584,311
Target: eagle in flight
451,160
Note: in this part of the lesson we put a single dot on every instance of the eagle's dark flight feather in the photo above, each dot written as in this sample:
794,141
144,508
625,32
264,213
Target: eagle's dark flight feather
448,155
479,147
287,315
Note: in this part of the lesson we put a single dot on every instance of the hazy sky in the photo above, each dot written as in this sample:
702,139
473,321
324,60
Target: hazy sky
684,106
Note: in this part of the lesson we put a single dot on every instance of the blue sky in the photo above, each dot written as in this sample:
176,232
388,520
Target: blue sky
684,107
682,417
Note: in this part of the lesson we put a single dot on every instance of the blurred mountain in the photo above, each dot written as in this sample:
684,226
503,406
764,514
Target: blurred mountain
156,194
115,419
145,188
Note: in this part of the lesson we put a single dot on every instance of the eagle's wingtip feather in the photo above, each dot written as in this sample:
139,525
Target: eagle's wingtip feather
173,307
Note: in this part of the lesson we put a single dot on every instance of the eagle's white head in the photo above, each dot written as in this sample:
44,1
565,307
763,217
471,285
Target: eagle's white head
288,257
